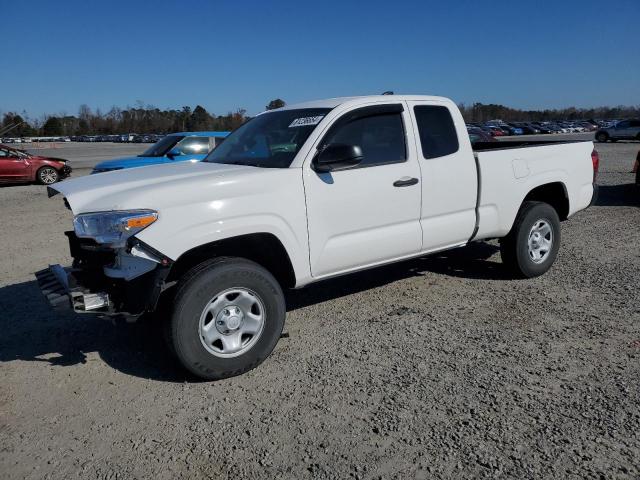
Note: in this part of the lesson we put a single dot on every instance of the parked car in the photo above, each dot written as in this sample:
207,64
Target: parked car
301,194
175,147
478,135
543,129
17,166
506,129
588,126
494,131
527,129
553,127
623,130
514,130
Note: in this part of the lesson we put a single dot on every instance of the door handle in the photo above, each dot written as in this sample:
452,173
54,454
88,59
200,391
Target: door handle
405,182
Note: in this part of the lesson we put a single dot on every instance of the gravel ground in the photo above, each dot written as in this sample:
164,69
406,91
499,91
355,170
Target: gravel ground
435,368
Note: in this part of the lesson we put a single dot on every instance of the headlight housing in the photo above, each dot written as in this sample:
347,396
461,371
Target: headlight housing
113,228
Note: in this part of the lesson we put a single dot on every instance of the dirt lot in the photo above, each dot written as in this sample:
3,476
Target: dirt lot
435,368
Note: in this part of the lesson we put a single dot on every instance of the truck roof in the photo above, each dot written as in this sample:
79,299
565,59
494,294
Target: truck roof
334,102
201,134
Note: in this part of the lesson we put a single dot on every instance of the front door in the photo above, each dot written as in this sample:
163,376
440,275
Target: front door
13,167
368,214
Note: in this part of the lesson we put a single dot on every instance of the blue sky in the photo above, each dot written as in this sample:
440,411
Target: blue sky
230,54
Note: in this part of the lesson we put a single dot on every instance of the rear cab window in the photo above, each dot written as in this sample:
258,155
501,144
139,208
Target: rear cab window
438,135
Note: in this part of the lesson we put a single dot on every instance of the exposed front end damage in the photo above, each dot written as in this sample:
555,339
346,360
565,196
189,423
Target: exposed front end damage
123,281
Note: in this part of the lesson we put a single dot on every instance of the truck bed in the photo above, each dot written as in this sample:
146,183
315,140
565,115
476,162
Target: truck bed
507,171
506,145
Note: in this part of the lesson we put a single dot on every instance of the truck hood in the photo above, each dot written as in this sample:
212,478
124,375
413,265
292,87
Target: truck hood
127,162
153,187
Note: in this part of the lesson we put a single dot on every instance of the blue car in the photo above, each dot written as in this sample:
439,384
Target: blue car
175,147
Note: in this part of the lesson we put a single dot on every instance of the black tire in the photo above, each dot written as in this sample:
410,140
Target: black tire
197,289
514,248
638,176
47,175
602,137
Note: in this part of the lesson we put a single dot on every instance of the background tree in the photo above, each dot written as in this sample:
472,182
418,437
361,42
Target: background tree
18,126
277,103
199,120
144,119
52,127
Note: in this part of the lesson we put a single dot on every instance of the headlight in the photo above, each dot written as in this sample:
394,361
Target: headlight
113,228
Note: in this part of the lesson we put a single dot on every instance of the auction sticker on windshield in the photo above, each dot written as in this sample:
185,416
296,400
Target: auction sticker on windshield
306,121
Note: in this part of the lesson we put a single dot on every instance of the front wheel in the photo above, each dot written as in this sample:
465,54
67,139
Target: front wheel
602,137
228,316
532,245
47,176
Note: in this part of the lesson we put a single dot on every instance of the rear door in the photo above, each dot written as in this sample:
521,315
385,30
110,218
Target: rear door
13,167
449,177
368,214
622,130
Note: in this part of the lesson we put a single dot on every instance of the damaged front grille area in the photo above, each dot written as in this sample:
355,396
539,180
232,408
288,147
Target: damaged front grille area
54,287
61,290
85,288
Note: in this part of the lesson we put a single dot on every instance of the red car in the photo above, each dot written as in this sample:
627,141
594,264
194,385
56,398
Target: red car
17,166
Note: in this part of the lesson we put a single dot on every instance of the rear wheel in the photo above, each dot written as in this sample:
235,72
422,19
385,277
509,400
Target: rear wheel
228,316
47,175
532,245
602,137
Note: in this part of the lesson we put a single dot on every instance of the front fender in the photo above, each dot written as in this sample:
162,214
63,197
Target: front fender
275,205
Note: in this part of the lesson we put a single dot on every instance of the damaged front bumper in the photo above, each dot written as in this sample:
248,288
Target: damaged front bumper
61,290
123,282
65,171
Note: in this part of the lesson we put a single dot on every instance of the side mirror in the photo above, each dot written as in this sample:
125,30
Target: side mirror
337,156
174,152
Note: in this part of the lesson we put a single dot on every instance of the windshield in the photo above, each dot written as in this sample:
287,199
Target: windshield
270,140
161,147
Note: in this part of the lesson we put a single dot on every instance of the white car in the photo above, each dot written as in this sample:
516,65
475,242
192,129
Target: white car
301,194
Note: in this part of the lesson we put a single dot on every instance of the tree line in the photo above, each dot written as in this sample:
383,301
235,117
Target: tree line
139,119
149,119
480,113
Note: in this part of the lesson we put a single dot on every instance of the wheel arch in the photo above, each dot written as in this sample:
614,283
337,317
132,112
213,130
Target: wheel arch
38,169
553,193
264,248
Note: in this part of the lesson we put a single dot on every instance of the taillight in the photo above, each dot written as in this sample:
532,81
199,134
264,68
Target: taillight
595,159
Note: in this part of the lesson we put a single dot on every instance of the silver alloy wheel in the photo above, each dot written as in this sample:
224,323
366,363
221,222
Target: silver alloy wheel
48,175
540,240
232,322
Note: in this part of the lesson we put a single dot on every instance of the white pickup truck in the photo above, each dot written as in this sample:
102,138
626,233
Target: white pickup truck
297,195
